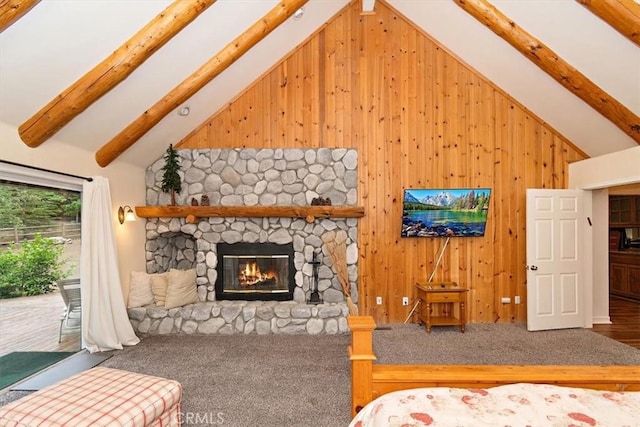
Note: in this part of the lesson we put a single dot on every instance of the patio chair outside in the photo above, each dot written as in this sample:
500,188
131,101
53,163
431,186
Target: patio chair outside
71,318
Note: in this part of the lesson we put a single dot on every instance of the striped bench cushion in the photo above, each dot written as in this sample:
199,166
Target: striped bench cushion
99,397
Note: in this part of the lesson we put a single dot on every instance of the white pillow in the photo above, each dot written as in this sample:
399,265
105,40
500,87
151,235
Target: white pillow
182,288
139,289
159,283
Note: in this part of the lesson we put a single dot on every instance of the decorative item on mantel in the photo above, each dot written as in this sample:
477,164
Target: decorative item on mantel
194,201
337,250
171,182
204,200
321,201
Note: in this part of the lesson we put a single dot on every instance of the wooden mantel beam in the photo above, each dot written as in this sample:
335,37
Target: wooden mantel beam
111,71
196,81
622,15
12,10
553,65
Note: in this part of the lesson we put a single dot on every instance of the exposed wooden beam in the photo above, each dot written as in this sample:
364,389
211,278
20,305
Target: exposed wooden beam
553,65
115,68
622,15
196,81
12,10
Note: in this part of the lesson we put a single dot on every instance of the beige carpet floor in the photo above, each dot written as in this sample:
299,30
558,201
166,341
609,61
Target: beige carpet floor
303,381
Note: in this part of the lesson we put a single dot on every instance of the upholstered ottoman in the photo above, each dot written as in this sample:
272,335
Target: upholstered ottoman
99,397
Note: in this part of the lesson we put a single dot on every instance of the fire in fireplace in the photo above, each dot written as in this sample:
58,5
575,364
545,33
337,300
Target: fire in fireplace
250,275
255,271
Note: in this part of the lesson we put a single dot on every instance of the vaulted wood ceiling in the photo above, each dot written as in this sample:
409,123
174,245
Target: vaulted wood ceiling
551,63
111,71
623,16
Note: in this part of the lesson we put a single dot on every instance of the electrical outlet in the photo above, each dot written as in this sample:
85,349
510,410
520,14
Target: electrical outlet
405,300
506,300
379,300
517,299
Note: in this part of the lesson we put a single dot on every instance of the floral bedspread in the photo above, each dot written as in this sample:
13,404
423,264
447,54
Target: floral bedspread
508,405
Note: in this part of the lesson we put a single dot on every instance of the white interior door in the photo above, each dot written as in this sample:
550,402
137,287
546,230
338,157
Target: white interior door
555,261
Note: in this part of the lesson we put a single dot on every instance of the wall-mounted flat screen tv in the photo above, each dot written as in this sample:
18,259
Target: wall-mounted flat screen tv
445,212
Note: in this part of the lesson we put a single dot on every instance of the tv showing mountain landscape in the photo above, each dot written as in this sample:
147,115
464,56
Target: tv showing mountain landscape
459,212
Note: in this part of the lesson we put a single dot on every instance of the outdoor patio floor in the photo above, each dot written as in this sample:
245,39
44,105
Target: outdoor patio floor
33,324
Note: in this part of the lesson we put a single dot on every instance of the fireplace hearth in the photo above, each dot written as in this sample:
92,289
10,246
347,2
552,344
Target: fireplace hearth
255,271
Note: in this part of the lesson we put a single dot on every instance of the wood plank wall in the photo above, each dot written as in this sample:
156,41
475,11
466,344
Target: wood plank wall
419,117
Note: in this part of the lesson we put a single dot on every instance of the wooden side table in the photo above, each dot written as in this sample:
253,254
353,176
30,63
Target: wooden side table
440,293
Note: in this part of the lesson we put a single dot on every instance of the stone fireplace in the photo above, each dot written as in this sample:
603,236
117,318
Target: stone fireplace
255,271
249,177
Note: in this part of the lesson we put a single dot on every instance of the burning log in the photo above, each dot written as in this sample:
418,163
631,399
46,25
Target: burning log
250,275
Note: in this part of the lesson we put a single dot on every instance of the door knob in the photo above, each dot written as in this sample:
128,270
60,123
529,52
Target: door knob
532,267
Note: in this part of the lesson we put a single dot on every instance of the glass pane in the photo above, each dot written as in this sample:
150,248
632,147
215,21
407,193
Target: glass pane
256,273
40,234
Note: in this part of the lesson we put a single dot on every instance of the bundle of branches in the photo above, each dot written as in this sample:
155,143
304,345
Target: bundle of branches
337,249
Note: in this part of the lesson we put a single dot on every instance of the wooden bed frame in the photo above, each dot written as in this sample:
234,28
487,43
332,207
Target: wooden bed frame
369,380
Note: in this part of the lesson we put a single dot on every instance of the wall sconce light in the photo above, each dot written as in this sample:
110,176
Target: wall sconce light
125,213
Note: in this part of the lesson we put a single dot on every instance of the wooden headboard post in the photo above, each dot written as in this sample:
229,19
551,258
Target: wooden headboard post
362,357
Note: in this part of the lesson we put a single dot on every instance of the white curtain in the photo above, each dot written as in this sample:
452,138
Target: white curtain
105,324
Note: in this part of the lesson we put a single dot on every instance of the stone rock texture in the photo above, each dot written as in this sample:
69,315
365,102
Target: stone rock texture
242,317
250,177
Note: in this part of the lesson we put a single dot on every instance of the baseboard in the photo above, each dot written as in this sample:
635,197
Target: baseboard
601,320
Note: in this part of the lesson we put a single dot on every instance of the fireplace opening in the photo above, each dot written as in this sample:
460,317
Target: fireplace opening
255,271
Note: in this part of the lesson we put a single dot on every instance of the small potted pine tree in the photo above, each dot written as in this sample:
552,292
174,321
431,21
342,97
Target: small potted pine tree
171,182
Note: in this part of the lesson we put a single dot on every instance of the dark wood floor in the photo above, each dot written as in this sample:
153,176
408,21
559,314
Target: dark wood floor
625,322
